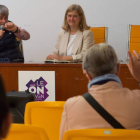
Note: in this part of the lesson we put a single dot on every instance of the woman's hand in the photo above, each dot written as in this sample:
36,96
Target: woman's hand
49,57
58,57
55,56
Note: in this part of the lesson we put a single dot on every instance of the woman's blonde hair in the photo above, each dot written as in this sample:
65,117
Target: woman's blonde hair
82,25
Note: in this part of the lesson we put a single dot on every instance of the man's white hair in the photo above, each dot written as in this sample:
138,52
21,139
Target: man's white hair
100,59
4,10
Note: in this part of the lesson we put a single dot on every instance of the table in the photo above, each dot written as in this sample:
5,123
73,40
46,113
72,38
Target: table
69,78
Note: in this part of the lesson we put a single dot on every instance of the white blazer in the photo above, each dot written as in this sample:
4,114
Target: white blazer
83,41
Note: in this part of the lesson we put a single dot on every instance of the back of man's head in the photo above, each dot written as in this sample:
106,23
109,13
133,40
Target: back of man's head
5,117
100,59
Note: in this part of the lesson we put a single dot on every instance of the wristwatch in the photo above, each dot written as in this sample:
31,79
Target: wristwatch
16,30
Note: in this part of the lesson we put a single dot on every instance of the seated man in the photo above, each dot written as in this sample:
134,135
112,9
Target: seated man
101,67
5,116
8,43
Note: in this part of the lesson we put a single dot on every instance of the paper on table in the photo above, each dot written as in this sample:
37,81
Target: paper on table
58,61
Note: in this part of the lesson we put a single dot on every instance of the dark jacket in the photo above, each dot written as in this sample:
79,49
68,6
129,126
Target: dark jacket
9,47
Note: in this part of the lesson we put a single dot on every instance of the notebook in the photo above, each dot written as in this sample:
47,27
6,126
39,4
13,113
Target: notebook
59,61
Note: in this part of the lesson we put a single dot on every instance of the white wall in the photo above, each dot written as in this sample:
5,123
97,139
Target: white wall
44,18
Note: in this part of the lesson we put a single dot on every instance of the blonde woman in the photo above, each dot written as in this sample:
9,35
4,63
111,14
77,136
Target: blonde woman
75,38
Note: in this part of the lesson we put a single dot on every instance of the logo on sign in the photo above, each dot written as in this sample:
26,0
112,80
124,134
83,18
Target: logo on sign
38,87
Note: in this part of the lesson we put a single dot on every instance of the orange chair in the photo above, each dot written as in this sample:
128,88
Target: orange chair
100,34
102,134
26,132
133,39
19,42
46,115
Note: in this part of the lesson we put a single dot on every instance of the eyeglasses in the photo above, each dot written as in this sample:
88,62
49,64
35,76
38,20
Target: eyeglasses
4,60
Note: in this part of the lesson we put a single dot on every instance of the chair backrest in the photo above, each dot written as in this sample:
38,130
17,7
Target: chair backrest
100,34
102,134
26,132
46,115
19,42
133,38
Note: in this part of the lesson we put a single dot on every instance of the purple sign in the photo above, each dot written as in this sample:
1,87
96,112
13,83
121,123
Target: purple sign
38,87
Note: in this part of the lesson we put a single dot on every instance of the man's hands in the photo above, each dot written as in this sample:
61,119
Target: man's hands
10,26
1,33
134,65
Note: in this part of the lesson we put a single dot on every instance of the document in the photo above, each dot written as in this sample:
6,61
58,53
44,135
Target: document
59,61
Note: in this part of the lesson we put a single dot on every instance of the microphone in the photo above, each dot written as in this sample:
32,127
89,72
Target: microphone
2,27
